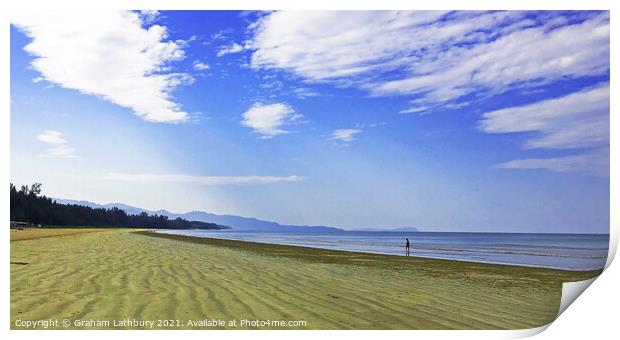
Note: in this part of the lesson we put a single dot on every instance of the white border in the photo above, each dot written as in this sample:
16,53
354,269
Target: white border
596,311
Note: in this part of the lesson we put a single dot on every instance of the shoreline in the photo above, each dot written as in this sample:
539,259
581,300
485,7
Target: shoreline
272,247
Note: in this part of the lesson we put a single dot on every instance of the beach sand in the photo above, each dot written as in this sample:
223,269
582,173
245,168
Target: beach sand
119,274
32,233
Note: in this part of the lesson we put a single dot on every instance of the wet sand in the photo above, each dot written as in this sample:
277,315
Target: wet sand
120,274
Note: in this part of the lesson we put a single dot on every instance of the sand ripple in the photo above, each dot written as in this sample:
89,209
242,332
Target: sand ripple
115,275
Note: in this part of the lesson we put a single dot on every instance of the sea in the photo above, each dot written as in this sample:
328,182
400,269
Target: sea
558,251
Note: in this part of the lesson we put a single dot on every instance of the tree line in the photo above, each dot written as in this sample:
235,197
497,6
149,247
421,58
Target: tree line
28,205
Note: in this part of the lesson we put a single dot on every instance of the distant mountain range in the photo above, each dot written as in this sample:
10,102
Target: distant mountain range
235,222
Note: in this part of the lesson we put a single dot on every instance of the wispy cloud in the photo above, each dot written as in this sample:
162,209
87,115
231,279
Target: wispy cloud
55,138
220,35
51,137
344,135
437,57
594,162
512,60
579,120
201,180
268,120
108,54
65,151
416,109
304,92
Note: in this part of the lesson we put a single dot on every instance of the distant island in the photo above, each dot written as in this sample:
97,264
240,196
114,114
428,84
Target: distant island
29,207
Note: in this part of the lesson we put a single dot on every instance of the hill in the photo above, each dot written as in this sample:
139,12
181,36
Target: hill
235,222
29,207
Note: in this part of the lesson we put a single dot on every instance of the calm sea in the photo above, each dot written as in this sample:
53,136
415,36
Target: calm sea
561,251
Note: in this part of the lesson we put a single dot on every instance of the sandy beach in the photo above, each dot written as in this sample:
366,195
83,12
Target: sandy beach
123,276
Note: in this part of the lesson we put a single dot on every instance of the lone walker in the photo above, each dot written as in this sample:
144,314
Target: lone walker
407,247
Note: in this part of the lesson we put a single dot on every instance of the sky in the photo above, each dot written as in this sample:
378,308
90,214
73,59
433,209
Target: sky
444,121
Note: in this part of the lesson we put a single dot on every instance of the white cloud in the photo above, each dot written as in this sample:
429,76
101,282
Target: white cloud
201,180
221,35
304,92
576,120
344,135
272,85
62,151
200,66
329,44
268,120
595,162
51,137
108,54
230,49
149,16
416,109
530,55
436,56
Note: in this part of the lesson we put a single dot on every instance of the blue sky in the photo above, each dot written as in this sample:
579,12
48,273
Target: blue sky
446,121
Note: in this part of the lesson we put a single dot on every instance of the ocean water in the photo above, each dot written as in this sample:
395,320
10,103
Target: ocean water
560,251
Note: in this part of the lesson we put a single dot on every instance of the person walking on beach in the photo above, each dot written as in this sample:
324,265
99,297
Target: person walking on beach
407,247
